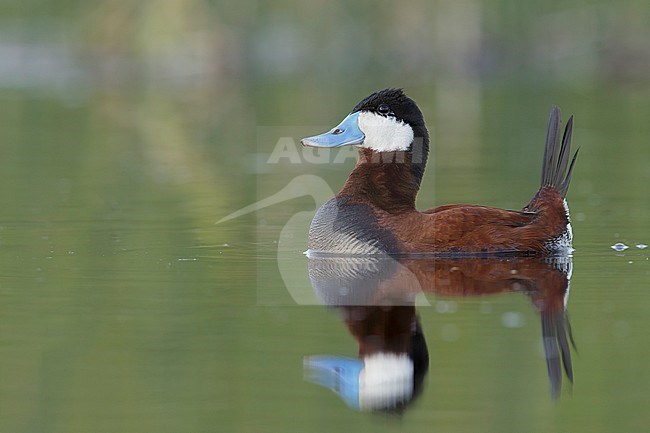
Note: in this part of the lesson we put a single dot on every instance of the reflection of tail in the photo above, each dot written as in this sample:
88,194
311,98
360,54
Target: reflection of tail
556,332
299,186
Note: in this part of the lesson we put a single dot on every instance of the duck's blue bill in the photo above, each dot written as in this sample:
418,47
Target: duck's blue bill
345,133
339,374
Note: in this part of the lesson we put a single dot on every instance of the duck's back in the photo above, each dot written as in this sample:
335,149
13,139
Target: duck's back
469,229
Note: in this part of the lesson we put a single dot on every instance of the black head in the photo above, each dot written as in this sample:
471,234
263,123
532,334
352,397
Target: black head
388,125
394,103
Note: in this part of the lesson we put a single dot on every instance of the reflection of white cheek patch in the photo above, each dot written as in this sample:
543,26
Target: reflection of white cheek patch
385,381
384,134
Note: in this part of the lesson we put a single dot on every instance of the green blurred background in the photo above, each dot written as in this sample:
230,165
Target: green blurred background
129,128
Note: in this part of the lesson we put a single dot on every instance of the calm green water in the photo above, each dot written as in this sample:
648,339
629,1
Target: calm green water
126,308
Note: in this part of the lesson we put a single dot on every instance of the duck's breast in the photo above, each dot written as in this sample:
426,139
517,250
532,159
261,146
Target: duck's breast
342,227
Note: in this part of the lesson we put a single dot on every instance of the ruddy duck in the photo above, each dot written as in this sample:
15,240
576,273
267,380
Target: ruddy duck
375,210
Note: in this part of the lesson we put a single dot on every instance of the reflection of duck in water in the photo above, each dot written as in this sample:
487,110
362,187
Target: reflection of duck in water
376,296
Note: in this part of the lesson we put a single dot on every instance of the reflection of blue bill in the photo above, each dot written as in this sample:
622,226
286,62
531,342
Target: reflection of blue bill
337,373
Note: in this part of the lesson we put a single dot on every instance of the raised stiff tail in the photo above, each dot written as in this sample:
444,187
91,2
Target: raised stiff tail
556,154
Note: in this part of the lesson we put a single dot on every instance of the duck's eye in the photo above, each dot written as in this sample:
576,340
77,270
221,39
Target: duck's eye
337,131
383,109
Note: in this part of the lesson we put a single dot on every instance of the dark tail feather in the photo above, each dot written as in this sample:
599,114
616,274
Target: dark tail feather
562,329
556,154
555,330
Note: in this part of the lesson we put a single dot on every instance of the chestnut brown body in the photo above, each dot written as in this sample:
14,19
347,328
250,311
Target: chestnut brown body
389,190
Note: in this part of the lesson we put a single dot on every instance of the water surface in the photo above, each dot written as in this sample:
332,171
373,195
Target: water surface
126,308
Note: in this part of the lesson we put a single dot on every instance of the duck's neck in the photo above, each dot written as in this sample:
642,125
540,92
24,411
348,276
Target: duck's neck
389,180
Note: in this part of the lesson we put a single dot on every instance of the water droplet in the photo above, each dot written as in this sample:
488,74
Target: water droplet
512,319
618,246
485,308
641,246
443,307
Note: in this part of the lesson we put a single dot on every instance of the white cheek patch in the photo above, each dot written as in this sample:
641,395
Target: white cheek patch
384,134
